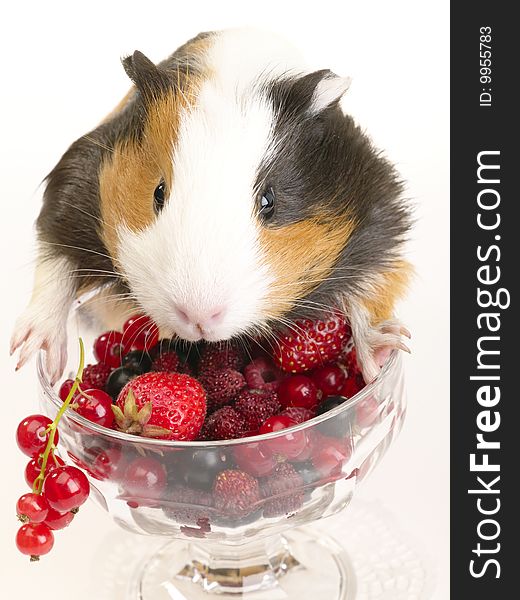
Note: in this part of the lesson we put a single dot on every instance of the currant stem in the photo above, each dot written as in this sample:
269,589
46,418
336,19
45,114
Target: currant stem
38,482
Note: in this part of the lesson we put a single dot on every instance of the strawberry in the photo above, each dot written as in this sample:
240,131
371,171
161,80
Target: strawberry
283,491
167,362
256,406
171,406
221,386
95,376
311,344
235,493
224,424
263,373
218,356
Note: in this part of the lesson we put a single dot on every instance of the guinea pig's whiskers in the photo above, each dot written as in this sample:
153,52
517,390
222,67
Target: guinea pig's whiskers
76,248
85,212
98,143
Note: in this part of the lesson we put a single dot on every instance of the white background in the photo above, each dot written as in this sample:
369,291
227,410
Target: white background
61,74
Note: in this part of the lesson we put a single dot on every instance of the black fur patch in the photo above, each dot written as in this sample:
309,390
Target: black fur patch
326,168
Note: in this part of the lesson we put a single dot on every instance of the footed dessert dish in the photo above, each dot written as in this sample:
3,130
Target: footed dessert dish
225,450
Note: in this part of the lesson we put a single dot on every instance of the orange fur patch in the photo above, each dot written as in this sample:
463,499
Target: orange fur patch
301,255
390,288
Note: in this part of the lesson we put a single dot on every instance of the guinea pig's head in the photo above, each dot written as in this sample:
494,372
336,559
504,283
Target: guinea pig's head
237,208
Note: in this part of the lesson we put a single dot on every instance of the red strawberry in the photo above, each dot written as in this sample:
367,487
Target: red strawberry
256,406
218,356
221,386
283,491
311,344
235,493
95,376
171,406
224,424
167,362
262,373
299,413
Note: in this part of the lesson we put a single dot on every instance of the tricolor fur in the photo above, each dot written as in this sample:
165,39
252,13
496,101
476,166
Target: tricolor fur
226,117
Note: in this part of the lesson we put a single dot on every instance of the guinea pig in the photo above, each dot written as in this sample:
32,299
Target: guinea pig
226,195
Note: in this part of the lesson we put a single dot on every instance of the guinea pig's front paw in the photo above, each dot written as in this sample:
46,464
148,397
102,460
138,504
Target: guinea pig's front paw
33,332
380,342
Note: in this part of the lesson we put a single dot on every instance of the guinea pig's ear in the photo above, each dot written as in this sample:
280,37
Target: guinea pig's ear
328,91
149,79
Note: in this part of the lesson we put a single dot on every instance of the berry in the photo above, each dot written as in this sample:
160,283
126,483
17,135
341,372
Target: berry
224,424
330,455
95,376
256,406
255,458
350,362
221,386
329,403
328,379
32,508
140,333
188,506
96,406
298,390
352,386
33,468
108,464
138,361
109,348
66,488
171,406
56,520
65,388
367,411
144,478
262,373
307,472
32,436
35,540
235,493
118,379
167,362
290,445
313,343
283,491
202,466
298,414
218,356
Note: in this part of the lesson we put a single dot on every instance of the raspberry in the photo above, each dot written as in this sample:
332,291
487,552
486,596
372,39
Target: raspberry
220,356
171,406
314,343
299,414
224,424
262,373
256,406
188,506
95,376
221,386
235,493
167,362
283,491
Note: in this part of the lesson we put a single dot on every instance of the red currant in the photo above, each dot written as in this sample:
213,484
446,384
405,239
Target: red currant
140,333
56,520
329,379
352,386
109,464
33,468
330,454
145,478
65,389
31,434
290,445
109,348
96,406
66,488
367,411
34,539
32,508
255,459
298,390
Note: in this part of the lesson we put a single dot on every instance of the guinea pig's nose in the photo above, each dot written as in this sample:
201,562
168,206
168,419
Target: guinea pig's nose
202,319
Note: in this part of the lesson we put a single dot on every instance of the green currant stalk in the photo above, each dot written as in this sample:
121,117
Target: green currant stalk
49,448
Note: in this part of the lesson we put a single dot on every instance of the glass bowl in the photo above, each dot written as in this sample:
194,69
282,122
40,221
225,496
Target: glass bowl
249,542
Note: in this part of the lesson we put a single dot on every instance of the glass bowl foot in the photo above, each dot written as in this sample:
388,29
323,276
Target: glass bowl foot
287,567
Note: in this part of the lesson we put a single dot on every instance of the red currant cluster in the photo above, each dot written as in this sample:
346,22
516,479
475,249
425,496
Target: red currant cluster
57,491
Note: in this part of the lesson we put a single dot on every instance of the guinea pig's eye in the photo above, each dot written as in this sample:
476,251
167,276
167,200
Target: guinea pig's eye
159,197
266,203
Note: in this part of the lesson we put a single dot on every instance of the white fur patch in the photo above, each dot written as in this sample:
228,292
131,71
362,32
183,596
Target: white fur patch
202,253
